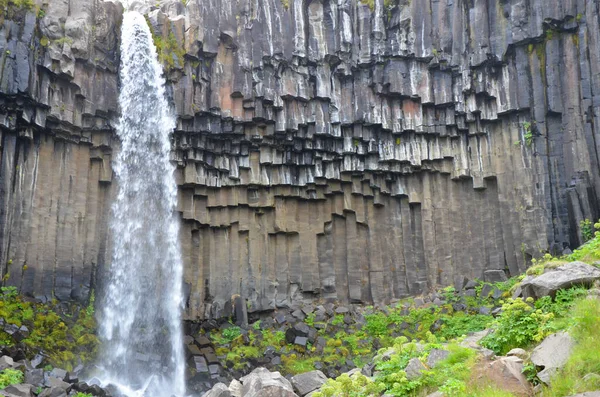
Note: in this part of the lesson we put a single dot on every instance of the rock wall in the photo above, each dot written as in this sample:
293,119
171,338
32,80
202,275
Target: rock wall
324,150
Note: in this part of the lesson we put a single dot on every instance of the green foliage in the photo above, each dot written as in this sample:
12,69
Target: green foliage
585,358
377,324
170,53
587,230
232,333
286,4
528,135
66,339
81,394
357,385
590,251
524,322
462,324
450,375
9,377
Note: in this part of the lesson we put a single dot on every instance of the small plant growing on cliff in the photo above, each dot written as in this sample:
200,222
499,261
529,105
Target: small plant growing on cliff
286,4
587,230
528,136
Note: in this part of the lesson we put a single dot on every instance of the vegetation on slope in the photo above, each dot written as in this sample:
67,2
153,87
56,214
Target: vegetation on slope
64,335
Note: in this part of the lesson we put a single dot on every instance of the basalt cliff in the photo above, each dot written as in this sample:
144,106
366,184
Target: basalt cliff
325,149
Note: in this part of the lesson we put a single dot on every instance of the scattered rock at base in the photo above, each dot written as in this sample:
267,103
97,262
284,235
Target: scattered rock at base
552,354
508,371
218,390
564,276
308,382
518,352
414,369
23,390
435,356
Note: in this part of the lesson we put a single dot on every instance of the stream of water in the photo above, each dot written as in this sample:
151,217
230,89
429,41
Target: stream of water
140,317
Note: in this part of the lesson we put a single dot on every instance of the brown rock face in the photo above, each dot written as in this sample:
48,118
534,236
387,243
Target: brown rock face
323,151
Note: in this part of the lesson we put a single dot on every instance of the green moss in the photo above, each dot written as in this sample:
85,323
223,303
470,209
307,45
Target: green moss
170,53
65,338
44,41
286,4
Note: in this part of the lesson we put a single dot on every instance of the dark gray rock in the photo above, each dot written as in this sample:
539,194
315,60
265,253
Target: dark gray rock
308,382
494,276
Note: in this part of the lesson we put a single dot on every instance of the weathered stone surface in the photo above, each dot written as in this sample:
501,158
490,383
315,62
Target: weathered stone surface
435,356
323,150
517,352
22,390
218,390
552,354
565,276
262,383
414,368
308,382
510,370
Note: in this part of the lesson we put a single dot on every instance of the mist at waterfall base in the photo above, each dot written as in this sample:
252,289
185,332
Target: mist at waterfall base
140,317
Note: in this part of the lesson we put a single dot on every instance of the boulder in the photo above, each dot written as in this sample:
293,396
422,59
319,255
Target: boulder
6,362
494,276
435,356
23,390
521,353
564,276
218,390
34,377
308,382
552,354
263,383
235,387
509,370
414,368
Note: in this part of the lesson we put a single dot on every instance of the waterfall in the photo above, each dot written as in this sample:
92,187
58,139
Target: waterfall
140,318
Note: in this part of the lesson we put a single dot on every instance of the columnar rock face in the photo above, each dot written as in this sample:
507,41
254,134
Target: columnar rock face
324,150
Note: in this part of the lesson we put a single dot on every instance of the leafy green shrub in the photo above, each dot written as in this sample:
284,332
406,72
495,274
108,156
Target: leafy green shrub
81,394
9,377
377,324
232,333
519,325
356,385
462,324
587,230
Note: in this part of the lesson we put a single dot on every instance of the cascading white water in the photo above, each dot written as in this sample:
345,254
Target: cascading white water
140,323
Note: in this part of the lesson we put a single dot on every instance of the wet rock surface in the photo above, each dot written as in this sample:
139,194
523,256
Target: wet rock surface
324,150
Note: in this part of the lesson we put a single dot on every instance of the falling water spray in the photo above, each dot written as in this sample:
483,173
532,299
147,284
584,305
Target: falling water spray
140,323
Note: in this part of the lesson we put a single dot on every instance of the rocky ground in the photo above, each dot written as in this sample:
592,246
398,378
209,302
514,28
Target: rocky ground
490,337
516,335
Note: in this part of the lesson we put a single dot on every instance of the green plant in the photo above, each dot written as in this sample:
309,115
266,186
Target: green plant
587,230
81,394
585,358
528,135
9,377
356,385
232,333
519,325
